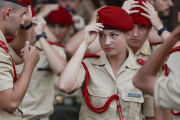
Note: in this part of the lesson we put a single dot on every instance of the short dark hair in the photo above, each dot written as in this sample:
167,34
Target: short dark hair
15,7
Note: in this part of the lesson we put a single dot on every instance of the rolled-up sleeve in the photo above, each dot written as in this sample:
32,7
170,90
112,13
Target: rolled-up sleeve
148,106
167,93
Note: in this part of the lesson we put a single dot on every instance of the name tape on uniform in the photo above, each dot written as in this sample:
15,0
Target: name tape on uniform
134,95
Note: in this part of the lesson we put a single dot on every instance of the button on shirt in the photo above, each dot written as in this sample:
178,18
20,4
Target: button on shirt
103,84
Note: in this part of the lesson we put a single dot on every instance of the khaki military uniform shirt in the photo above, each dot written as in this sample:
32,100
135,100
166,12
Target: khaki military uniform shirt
167,89
144,53
6,80
103,84
38,101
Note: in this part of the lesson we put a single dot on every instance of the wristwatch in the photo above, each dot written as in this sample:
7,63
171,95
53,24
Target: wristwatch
162,30
26,27
41,35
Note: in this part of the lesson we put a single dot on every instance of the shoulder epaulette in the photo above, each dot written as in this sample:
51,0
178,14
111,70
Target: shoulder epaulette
175,49
90,55
155,43
4,46
52,43
9,39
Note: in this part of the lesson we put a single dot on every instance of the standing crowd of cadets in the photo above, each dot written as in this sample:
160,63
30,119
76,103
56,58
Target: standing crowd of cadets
118,83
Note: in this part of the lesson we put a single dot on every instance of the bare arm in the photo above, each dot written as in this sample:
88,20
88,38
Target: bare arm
94,47
56,62
146,77
152,15
22,37
73,43
46,9
11,98
68,78
50,35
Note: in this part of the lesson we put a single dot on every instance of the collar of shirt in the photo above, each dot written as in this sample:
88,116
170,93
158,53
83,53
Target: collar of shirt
145,49
131,63
38,45
2,37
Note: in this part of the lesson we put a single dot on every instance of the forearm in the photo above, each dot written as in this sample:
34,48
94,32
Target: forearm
154,37
94,47
18,43
50,35
73,43
68,77
58,63
165,35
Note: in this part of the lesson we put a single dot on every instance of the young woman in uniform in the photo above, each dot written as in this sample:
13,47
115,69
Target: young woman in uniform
106,80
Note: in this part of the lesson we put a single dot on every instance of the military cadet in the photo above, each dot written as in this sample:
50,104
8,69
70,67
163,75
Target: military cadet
38,101
166,90
106,80
14,14
60,27
171,69
144,21
61,30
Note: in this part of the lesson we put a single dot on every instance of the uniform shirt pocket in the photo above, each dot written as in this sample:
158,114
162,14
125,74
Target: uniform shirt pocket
131,104
98,97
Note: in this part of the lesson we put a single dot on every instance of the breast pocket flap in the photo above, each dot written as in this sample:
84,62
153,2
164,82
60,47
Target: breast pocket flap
132,96
99,91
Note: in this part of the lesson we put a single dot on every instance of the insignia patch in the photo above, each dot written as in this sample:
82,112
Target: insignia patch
134,95
97,18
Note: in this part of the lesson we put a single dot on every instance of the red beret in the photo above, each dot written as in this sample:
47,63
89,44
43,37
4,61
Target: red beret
33,11
60,16
115,17
24,3
138,18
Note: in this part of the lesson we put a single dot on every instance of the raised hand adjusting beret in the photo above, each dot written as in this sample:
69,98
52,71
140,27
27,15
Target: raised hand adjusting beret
138,18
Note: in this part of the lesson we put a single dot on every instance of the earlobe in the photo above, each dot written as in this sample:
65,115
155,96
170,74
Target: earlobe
128,34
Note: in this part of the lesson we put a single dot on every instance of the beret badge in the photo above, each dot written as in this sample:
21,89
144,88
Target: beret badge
97,18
